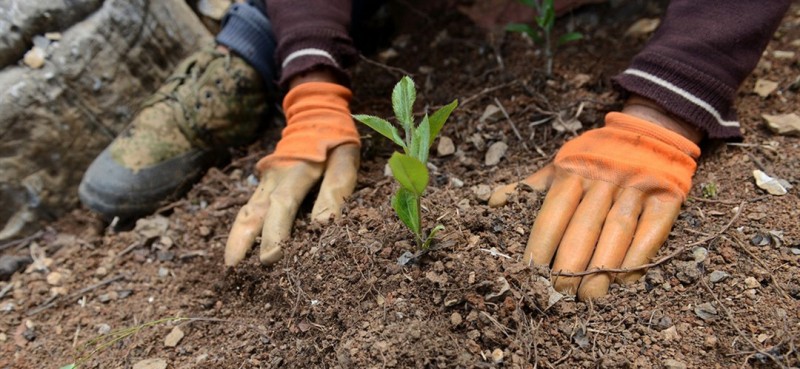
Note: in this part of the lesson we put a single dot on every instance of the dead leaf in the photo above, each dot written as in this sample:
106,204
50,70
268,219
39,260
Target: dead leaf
643,27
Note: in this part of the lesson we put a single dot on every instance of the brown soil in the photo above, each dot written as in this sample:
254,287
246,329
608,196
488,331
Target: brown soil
339,298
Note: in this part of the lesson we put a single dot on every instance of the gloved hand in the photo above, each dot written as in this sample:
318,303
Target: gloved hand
320,138
614,194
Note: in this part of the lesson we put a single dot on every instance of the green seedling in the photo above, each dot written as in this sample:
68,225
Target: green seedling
542,35
409,167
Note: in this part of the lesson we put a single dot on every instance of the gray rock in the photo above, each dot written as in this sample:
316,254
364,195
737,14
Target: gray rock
718,276
688,271
673,364
10,264
21,20
54,120
496,152
706,311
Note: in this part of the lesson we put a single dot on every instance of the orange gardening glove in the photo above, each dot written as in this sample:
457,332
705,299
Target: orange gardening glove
320,137
614,194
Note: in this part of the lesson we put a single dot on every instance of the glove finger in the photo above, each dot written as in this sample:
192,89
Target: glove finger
284,201
552,220
577,246
539,181
249,221
613,244
338,183
652,231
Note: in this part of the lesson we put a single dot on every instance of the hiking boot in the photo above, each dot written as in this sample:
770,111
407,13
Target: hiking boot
212,101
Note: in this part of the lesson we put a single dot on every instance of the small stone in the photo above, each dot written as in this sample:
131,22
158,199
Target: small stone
751,283
457,183
769,184
3,337
55,278
163,272
718,276
446,146
497,356
491,114
706,311
165,255
495,152
101,272
751,294
671,334
34,58
151,364
58,291
175,336
795,250
687,271
456,319
673,364
204,231
763,337
482,192
764,87
710,341
781,54
103,328
785,124
387,54
106,297
700,254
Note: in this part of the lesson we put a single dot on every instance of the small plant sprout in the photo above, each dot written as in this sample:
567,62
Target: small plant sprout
409,167
542,35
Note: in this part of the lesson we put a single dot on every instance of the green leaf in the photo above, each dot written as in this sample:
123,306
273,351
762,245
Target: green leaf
403,97
381,126
422,140
409,172
70,366
439,118
521,28
406,205
528,3
569,37
427,244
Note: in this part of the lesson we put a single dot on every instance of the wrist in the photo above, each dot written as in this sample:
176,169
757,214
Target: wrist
650,111
316,75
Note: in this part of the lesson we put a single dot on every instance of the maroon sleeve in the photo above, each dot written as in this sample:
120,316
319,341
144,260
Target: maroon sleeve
312,34
699,56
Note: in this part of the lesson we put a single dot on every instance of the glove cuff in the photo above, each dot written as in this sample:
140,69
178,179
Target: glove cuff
640,126
317,120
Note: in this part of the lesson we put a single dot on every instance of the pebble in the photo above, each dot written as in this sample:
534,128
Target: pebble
55,278
456,319
671,334
718,276
785,124
687,271
769,184
175,336
446,146
457,183
482,192
3,337
101,272
710,341
103,328
163,272
673,364
491,113
151,364
795,250
781,54
706,311
34,58
751,283
495,152
700,254
497,356
58,291
765,87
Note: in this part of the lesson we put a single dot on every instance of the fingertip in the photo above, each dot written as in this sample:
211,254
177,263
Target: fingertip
594,286
566,285
500,195
270,254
